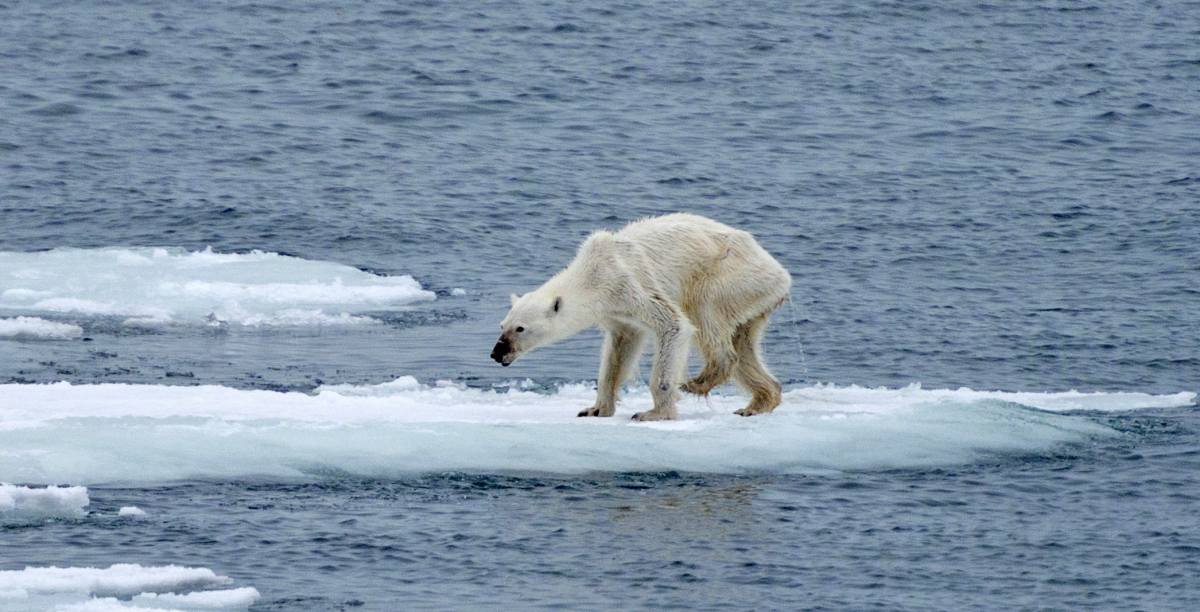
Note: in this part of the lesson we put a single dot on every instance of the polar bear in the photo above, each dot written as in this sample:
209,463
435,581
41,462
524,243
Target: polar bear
673,277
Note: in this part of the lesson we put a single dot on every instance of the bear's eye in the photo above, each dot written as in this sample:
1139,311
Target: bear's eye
520,329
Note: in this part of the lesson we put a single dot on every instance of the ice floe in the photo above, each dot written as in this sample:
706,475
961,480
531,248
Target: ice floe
82,434
159,285
120,587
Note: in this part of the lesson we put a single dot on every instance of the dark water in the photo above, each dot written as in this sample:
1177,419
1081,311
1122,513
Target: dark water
998,196
992,196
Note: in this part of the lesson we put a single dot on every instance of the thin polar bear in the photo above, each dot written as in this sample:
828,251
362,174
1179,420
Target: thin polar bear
674,278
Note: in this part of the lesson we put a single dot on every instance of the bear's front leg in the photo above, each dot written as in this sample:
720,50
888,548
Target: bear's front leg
622,344
673,333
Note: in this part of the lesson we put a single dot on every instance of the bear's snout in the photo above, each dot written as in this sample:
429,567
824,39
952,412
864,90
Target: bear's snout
501,351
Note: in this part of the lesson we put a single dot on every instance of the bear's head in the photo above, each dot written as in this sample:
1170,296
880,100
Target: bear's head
532,322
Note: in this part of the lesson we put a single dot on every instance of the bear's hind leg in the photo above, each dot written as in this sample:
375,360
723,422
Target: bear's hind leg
750,372
622,345
720,359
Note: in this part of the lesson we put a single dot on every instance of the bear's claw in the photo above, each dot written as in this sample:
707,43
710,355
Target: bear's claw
755,408
653,415
596,411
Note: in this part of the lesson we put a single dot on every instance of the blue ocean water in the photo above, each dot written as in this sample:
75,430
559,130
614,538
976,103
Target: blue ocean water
993,196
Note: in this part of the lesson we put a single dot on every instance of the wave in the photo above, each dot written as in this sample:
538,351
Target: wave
90,589
153,286
63,433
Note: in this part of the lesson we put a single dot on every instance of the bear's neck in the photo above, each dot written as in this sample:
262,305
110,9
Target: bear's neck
580,303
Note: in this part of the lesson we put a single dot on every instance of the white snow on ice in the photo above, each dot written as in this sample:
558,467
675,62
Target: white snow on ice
20,505
155,286
83,434
89,589
34,328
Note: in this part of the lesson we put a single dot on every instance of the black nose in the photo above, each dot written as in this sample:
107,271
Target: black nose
501,349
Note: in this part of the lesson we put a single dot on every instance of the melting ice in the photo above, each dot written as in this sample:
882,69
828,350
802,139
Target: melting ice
81,434
120,587
160,285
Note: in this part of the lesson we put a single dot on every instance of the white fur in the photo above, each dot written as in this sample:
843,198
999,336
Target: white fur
674,278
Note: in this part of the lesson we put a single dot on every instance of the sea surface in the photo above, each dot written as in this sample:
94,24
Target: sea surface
253,258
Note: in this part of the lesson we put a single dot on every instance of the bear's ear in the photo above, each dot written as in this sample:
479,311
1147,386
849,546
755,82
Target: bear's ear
557,303
512,297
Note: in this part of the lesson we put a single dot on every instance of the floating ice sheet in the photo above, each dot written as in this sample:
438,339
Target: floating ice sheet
64,433
153,286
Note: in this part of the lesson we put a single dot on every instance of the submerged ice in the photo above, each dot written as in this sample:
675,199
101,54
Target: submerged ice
159,285
64,433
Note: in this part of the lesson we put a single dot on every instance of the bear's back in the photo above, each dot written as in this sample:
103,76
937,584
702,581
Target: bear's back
678,252
673,227
678,243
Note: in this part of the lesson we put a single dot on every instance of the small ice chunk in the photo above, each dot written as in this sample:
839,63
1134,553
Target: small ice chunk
131,511
458,291
23,504
228,599
34,328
